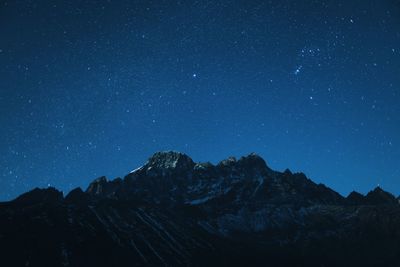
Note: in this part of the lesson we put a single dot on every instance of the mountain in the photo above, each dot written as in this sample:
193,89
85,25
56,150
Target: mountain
173,211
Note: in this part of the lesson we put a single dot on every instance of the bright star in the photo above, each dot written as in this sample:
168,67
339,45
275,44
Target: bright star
298,69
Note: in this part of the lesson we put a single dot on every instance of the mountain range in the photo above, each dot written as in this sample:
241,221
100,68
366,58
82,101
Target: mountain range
173,211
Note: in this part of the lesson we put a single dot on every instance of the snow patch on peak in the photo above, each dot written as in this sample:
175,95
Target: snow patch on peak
170,160
203,166
137,169
228,162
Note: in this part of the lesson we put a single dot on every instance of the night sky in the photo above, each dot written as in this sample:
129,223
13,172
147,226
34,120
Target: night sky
92,88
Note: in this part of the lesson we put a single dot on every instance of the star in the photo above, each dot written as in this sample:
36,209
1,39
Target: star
297,70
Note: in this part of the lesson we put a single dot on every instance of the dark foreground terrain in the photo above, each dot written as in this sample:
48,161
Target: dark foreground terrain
175,212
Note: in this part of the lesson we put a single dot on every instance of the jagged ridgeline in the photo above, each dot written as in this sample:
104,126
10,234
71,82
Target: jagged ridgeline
175,212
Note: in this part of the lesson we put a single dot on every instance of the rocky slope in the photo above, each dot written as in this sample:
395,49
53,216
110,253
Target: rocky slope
175,212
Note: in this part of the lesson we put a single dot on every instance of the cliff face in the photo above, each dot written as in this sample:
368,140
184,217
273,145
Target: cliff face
173,211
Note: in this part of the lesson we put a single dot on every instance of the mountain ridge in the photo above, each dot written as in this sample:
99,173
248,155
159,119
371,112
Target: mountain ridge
173,211
251,159
198,165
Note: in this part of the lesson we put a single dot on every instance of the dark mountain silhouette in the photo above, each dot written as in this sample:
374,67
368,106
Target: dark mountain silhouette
175,212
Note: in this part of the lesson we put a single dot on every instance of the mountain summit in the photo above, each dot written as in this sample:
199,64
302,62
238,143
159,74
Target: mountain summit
175,212
170,160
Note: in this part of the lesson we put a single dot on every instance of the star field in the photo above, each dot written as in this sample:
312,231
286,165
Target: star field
91,88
